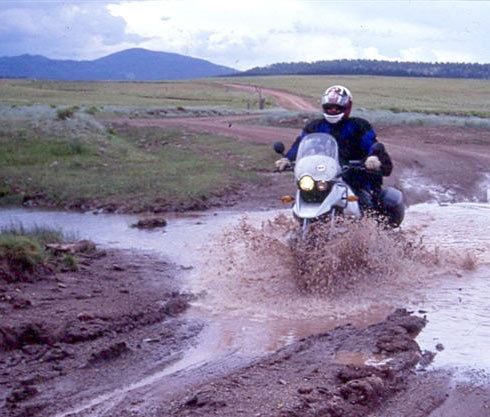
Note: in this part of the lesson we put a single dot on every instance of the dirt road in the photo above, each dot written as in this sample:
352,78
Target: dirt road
452,159
105,341
284,99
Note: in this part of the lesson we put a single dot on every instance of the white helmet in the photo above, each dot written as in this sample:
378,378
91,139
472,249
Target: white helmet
336,103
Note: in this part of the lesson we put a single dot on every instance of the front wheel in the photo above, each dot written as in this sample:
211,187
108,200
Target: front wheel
305,227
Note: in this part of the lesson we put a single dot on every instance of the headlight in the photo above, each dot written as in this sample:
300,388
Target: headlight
306,183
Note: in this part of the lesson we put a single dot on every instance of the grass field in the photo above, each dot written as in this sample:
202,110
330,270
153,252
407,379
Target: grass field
399,94
135,94
132,168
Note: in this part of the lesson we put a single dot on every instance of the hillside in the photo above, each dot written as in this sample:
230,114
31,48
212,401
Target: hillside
374,67
130,64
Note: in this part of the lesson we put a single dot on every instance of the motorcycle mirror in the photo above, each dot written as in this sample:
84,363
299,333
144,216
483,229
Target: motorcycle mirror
279,147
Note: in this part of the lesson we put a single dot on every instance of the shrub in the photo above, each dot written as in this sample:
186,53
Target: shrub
21,252
66,113
70,262
92,110
76,146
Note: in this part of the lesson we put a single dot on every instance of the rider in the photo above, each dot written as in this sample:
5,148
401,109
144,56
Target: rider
356,140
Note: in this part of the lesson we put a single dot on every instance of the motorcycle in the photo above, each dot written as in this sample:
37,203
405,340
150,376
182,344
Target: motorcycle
322,191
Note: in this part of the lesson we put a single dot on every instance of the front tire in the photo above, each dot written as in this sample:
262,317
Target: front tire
305,228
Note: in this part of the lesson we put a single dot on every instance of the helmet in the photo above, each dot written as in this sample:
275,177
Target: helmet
336,103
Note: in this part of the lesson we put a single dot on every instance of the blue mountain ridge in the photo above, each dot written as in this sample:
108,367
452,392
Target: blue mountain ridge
131,64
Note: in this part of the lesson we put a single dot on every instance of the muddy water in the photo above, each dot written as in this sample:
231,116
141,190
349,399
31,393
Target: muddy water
458,305
248,294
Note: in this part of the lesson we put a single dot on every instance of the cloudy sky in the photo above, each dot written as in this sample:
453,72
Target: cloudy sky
244,34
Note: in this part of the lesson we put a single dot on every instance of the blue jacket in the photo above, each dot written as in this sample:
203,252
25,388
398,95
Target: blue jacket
355,138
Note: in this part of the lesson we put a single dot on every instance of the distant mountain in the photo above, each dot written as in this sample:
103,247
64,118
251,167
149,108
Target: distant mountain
374,67
131,64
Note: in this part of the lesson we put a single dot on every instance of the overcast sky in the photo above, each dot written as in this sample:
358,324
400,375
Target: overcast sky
247,33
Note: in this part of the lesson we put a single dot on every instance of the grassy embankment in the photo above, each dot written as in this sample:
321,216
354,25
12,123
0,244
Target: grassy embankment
458,97
23,253
62,156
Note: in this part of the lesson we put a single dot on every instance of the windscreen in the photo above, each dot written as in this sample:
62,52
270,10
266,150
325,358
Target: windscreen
318,144
318,157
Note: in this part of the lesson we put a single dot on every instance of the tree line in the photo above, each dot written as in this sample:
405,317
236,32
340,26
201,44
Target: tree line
375,67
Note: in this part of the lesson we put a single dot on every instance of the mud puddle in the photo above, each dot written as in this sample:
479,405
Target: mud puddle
251,303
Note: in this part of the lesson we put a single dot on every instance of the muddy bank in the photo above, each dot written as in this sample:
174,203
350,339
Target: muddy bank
70,335
345,372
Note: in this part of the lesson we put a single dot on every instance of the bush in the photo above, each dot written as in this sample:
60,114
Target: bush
21,252
92,110
66,113
70,263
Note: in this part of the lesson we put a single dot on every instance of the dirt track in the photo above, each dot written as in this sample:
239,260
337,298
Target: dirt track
94,344
451,158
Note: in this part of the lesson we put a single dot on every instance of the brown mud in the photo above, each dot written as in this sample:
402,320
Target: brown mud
77,342
323,375
69,335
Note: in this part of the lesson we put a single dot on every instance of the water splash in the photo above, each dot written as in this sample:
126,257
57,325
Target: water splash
258,269
333,263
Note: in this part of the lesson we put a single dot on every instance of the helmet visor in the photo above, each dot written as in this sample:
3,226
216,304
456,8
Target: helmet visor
333,109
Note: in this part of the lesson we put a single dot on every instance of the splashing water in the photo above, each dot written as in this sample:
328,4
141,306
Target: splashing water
262,270
334,261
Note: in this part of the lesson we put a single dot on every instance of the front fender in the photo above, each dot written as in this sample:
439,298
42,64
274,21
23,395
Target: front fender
336,198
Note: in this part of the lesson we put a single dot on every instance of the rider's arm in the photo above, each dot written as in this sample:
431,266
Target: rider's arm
368,139
291,155
384,158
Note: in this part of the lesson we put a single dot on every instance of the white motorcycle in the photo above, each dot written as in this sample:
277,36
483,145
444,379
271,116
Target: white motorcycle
323,194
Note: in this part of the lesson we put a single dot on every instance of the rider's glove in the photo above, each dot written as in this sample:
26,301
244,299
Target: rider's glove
373,163
282,164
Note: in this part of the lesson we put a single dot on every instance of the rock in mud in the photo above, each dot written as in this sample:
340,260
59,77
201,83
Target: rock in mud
176,305
21,393
83,246
27,334
150,223
112,352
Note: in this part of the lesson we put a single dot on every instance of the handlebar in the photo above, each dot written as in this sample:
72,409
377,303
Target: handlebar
353,165
357,165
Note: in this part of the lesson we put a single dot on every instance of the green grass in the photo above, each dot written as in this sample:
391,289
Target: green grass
135,168
22,251
399,94
137,94
41,234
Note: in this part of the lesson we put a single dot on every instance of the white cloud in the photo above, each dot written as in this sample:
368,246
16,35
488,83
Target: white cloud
453,56
372,52
252,33
435,55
